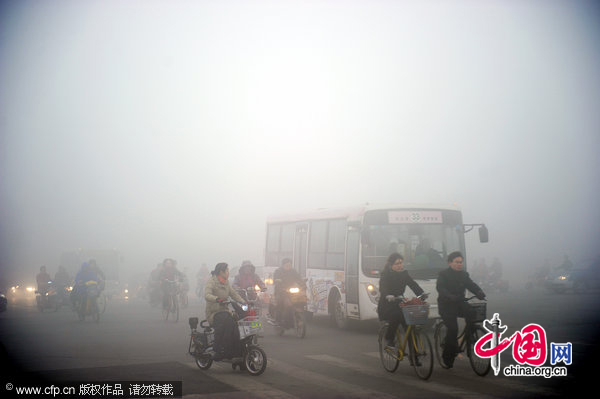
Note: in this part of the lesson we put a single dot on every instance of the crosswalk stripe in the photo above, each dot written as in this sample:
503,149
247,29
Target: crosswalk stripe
428,386
250,386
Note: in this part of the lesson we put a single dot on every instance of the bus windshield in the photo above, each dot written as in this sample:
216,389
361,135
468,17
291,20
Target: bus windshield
424,247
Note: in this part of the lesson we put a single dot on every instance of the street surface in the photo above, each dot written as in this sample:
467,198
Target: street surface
131,342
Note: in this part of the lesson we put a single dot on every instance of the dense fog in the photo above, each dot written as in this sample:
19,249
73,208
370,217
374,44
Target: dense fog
174,128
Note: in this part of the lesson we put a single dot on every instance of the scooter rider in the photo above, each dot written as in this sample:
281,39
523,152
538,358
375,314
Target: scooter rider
284,277
43,280
451,285
101,277
85,274
62,281
216,292
247,277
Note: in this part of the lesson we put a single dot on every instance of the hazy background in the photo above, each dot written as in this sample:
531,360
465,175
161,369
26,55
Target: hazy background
174,128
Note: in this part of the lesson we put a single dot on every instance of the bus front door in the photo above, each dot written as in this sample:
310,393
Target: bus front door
300,246
352,262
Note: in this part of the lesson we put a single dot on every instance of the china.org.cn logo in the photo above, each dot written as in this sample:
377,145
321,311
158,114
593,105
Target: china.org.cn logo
529,349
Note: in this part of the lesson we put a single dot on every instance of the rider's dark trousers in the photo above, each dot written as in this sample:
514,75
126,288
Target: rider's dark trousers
227,335
449,313
394,317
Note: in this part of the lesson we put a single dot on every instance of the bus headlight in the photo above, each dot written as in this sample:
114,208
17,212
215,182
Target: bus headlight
373,293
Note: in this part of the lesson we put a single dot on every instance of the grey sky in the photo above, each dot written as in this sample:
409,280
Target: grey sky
173,128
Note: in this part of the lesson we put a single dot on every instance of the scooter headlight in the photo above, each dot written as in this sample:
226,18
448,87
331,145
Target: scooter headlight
294,290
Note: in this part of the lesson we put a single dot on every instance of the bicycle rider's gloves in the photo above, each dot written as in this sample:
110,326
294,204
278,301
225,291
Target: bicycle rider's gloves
220,300
390,298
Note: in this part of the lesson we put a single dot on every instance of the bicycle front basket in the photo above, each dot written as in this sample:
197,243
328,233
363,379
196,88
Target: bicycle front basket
416,314
478,311
249,325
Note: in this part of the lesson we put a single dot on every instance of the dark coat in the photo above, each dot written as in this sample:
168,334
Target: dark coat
394,283
288,279
451,286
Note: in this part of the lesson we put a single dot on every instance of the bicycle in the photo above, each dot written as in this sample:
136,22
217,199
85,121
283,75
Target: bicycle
416,341
88,305
467,339
171,307
101,301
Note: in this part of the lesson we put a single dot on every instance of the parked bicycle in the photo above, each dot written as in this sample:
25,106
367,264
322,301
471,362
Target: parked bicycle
415,344
171,305
467,339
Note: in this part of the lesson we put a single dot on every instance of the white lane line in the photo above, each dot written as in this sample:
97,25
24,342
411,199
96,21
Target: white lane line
249,385
418,384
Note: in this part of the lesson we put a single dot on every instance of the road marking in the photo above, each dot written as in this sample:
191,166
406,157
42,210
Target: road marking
418,384
248,385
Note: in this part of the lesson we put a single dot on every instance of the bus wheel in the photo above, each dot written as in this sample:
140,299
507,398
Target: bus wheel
337,312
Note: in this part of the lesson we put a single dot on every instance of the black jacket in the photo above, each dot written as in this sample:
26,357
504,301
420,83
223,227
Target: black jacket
288,279
394,283
451,285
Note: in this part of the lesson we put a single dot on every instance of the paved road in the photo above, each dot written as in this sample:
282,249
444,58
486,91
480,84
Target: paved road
132,343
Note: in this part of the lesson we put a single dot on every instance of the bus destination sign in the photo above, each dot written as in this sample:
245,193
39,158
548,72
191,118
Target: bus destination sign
396,217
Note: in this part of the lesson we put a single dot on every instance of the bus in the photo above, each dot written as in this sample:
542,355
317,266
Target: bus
341,252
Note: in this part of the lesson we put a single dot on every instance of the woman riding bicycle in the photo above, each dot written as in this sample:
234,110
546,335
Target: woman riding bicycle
392,283
451,285
216,293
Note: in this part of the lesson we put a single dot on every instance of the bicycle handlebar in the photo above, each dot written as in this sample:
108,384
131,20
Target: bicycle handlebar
401,298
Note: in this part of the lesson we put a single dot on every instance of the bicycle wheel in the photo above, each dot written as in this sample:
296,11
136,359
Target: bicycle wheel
175,308
388,357
439,337
421,355
300,324
167,309
101,301
95,311
481,366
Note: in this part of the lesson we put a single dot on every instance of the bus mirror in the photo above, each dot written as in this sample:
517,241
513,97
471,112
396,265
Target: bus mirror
483,234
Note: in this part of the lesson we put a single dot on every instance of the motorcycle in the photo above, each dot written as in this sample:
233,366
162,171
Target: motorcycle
251,295
3,302
294,312
88,303
47,299
494,285
183,294
63,293
254,358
